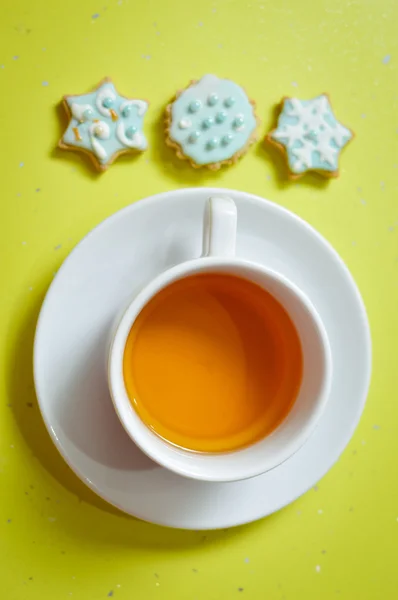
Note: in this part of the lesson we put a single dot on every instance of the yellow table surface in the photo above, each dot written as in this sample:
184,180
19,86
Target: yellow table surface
57,539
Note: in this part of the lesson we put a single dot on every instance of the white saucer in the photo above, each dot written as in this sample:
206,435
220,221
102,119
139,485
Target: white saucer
97,280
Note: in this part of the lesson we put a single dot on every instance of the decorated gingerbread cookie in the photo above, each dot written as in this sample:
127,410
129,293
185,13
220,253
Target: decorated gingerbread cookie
310,136
104,124
211,123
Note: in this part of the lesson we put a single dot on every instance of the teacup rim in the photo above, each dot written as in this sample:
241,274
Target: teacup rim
127,320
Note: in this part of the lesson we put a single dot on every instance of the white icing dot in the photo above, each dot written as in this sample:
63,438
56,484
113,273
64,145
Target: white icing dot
184,124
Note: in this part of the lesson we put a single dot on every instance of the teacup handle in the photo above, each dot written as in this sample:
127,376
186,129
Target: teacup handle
219,227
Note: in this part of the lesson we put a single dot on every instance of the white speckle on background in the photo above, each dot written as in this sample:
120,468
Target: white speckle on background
23,243
15,57
362,201
58,247
21,164
353,243
294,84
52,519
31,288
318,568
44,83
309,67
320,511
200,23
382,184
44,49
247,560
299,512
363,116
363,442
146,56
1,66
386,59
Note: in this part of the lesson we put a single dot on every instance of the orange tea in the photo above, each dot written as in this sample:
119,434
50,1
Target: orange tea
213,363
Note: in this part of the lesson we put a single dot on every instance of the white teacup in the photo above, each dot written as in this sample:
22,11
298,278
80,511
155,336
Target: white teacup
219,256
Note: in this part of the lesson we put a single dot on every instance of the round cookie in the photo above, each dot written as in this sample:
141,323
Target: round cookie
211,123
310,136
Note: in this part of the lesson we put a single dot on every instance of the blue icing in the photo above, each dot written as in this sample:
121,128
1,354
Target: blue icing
207,123
130,117
227,139
311,134
194,106
221,116
108,102
210,146
212,99
130,131
229,101
193,137
213,143
88,114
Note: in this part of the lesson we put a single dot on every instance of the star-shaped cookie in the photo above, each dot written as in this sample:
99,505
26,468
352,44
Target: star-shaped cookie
104,124
310,136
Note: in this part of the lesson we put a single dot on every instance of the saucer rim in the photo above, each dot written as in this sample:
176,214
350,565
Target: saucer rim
143,204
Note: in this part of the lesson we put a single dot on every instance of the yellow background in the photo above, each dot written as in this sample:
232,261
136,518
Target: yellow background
57,540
